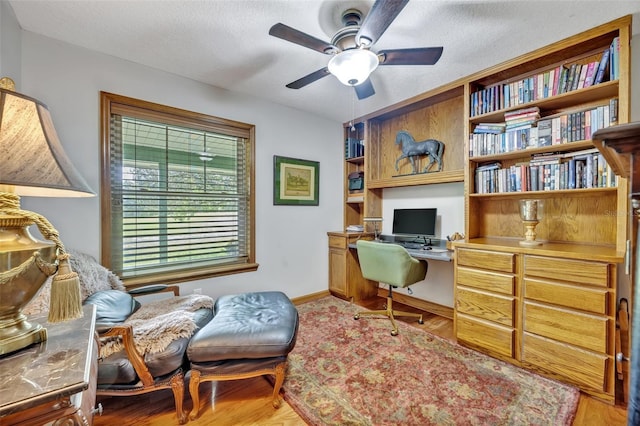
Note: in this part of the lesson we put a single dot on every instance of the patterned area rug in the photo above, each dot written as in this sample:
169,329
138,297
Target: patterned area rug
348,372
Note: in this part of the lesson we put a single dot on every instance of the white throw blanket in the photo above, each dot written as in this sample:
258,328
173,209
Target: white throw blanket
156,324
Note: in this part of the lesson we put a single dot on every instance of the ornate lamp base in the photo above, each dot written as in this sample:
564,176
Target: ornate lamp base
25,264
17,333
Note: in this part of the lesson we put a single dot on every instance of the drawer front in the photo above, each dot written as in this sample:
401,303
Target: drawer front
485,280
338,242
584,330
583,298
579,271
486,306
484,259
578,366
492,337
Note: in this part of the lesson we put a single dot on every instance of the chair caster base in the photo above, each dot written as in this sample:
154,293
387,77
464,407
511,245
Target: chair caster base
356,317
394,332
420,321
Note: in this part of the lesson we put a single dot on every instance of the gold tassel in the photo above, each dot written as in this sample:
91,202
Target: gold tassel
66,300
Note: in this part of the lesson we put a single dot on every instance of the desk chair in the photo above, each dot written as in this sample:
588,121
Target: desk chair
390,264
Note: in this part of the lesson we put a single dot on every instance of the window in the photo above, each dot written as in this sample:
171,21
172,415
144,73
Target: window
176,193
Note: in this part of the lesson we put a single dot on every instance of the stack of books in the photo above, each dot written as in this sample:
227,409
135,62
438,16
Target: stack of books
520,129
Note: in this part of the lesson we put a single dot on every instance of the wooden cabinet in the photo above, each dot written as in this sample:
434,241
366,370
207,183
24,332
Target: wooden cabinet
551,311
563,295
345,278
568,321
485,301
621,146
52,382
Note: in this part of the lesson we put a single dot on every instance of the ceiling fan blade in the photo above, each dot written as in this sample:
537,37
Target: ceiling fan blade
381,15
365,89
308,79
287,33
414,56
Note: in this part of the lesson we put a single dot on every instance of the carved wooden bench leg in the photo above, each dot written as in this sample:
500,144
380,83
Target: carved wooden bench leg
177,386
194,385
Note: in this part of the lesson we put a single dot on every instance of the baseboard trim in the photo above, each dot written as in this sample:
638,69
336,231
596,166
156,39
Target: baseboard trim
424,305
309,297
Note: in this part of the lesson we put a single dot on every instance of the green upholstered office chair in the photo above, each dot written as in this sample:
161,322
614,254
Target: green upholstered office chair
390,264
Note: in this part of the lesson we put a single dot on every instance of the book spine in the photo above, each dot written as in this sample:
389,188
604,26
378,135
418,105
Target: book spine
604,64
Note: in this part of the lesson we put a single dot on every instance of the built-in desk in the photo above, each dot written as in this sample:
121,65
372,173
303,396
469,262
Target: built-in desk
346,280
436,252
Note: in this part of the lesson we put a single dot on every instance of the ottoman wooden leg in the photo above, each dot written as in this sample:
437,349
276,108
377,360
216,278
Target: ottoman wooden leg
194,391
279,374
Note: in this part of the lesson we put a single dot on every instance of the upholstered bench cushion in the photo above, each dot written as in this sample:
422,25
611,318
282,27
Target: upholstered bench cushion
248,325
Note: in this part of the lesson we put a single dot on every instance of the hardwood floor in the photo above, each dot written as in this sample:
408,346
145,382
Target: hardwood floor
248,402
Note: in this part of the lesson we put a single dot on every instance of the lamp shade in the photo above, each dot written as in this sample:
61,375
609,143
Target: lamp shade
353,67
32,161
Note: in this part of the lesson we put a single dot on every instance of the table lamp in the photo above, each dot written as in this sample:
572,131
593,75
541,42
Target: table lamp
530,213
32,163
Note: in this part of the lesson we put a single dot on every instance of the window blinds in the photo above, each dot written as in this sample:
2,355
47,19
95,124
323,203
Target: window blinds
179,194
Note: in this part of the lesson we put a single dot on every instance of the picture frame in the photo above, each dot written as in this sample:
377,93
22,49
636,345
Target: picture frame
296,182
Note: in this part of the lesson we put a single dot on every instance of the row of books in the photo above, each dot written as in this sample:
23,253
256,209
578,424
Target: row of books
557,130
562,79
583,169
353,148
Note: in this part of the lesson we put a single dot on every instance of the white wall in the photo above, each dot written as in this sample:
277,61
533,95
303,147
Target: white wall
291,241
9,43
448,198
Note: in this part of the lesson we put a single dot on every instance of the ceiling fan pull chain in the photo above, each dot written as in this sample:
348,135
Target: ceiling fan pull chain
353,110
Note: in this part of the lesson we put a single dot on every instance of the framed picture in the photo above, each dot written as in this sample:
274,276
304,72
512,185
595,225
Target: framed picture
295,182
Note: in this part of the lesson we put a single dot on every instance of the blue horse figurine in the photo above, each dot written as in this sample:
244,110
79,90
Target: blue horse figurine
410,148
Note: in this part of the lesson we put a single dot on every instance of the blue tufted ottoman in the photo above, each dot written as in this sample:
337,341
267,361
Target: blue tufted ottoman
250,335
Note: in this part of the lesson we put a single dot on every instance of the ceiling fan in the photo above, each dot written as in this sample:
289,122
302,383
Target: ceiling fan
352,59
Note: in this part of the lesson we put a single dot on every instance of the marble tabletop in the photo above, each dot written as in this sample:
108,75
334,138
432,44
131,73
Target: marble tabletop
50,370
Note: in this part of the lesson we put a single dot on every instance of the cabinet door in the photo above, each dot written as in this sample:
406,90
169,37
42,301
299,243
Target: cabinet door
338,272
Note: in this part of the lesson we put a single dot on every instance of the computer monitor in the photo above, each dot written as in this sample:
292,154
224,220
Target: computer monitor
415,222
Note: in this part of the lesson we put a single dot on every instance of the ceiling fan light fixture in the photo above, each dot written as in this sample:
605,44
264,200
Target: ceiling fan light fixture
353,67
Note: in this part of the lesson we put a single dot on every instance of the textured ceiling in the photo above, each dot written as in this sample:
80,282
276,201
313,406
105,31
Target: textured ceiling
225,43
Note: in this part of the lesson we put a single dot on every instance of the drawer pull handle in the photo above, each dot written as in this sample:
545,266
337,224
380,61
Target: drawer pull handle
620,357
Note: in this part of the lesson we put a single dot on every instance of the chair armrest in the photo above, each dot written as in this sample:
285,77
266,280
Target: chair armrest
137,361
154,288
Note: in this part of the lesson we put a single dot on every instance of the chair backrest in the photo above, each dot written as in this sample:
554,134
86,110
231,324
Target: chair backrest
389,263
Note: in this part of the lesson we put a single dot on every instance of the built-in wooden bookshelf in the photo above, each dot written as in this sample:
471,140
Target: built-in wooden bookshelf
550,308
438,114
503,290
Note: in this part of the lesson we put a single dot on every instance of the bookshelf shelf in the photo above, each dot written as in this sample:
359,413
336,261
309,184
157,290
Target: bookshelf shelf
355,160
566,147
574,99
579,192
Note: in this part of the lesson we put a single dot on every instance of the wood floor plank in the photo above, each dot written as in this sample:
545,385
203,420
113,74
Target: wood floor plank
248,402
